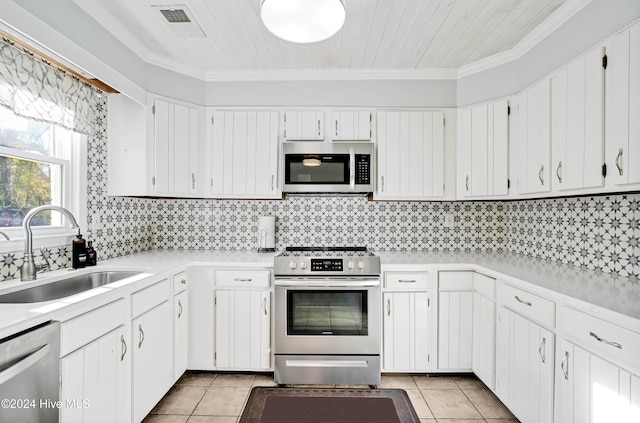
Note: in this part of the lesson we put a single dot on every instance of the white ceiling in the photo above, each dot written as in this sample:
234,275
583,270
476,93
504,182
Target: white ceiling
410,37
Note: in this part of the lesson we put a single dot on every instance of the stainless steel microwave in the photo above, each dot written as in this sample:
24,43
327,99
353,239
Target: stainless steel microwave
326,167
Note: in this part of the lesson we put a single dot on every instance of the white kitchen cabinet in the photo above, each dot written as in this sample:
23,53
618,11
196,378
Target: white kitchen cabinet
534,139
455,320
180,333
152,347
406,333
484,329
94,381
577,123
483,155
622,137
243,329
176,136
524,370
243,152
410,149
351,125
303,125
201,333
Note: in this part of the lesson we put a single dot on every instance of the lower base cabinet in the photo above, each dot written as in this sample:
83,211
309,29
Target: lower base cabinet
591,389
406,331
152,358
95,380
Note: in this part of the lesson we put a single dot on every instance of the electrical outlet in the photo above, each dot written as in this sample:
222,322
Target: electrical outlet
448,220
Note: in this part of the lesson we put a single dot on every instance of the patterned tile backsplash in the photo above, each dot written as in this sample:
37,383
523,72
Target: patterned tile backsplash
601,232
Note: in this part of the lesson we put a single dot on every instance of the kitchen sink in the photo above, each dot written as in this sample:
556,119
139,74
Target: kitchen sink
65,287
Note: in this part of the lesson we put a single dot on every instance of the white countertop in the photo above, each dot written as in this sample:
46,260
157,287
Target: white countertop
588,288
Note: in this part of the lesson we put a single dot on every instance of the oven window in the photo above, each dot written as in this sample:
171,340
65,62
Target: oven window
327,312
331,170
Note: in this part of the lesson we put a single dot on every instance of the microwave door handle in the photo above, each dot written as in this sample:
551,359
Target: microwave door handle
352,169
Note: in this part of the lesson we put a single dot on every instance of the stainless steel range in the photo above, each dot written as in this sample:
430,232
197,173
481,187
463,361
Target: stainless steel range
327,318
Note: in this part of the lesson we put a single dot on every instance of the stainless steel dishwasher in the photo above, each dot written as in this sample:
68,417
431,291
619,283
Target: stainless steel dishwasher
29,372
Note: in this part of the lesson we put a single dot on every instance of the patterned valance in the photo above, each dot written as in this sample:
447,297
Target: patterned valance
33,88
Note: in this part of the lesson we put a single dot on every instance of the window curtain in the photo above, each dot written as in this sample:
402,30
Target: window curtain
34,88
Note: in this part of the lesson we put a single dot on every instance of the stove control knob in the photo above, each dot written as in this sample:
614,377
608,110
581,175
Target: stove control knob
303,265
292,264
351,265
361,265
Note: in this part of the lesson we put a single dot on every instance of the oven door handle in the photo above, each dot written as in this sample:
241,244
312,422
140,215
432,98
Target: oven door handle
328,283
352,169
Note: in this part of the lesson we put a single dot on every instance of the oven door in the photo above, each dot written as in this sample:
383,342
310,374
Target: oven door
327,316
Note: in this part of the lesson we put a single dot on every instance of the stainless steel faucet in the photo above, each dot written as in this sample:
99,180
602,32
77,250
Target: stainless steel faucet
29,267
5,236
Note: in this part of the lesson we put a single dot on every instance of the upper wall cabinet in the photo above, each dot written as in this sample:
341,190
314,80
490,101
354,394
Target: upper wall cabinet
534,139
176,137
483,150
622,138
411,158
242,151
577,123
350,125
304,125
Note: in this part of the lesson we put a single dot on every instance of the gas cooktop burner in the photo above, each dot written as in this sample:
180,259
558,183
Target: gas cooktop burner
326,252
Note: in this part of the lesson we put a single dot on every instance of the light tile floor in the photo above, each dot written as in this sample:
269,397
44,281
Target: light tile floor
220,398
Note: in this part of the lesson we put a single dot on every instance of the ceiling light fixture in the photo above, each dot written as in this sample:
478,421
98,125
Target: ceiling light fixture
303,21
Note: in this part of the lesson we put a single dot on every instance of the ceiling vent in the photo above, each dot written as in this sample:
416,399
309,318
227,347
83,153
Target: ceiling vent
180,20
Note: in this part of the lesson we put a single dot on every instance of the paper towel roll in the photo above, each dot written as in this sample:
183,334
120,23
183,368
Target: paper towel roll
266,233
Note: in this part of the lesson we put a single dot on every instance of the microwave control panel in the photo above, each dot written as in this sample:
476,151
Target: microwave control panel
363,169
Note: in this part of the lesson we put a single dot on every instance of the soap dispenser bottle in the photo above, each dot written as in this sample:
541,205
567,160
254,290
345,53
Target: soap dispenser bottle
92,257
78,252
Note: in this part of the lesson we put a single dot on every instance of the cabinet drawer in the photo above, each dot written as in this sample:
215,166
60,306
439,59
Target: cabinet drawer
404,280
455,281
150,297
484,285
613,342
81,330
529,305
179,282
243,278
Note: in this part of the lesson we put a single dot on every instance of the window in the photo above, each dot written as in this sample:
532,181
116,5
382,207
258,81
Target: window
38,164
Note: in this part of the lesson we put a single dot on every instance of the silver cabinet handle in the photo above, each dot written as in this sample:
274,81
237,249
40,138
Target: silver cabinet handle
318,127
273,179
466,183
336,127
124,347
406,281
540,175
388,306
558,169
619,161
542,350
141,333
565,365
523,302
264,305
179,309
382,182
604,341
242,279
193,180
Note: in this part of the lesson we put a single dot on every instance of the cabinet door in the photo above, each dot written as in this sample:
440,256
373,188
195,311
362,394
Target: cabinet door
410,155
455,312
152,358
94,381
406,331
180,333
349,125
623,106
534,138
243,335
484,339
244,154
304,125
175,148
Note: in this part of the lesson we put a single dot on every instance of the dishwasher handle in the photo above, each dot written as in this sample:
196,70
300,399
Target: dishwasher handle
26,362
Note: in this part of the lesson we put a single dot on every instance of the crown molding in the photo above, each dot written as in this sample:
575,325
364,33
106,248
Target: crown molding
561,15
332,75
